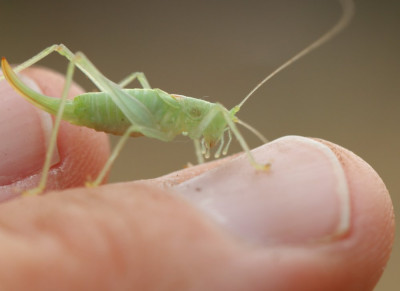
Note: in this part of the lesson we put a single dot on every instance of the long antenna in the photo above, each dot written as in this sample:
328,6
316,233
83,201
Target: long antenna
347,15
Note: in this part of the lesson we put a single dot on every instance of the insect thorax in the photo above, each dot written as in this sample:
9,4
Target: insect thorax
203,119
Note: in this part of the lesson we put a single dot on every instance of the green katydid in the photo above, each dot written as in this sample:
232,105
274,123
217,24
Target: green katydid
146,111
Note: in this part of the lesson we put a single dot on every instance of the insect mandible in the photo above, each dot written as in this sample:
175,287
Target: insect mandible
149,112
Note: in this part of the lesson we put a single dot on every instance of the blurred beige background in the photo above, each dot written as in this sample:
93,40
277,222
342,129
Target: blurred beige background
348,91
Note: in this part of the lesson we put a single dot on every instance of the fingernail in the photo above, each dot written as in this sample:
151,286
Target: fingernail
303,198
24,134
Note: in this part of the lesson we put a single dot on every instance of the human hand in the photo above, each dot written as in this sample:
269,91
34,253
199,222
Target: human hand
321,219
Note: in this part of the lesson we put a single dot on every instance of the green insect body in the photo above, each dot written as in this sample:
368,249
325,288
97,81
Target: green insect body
171,114
148,112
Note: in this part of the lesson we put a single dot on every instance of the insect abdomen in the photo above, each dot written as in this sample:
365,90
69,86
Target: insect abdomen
97,111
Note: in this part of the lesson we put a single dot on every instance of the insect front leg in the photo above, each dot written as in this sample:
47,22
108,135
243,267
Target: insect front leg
197,133
208,119
199,153
242,141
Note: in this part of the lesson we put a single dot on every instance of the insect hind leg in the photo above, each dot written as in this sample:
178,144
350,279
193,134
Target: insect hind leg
54,134
59,48
44,53
133,109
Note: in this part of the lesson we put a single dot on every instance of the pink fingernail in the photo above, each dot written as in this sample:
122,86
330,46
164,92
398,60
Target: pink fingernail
303,198
24,134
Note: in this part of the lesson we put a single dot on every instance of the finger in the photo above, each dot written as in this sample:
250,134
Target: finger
135,237
24,130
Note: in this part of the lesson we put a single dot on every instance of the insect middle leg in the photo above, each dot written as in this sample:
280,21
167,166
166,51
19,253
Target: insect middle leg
132,77
116,151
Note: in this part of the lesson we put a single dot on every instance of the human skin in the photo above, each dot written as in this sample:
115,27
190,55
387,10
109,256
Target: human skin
320,219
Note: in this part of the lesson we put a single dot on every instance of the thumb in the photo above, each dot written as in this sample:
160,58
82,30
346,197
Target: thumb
321,219
250,231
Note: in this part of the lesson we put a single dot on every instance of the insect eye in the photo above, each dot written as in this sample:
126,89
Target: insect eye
195,112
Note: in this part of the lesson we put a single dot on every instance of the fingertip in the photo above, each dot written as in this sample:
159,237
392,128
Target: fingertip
369,243
322,212
354,261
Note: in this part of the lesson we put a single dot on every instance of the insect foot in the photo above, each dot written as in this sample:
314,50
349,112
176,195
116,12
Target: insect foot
33,192
262,167
91,184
